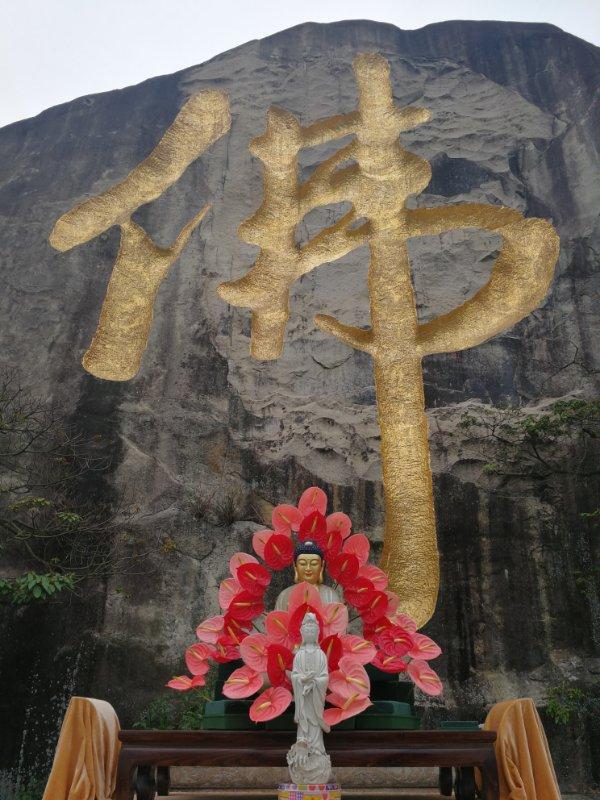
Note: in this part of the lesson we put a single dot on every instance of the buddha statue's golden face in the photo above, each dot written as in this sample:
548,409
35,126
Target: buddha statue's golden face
309,568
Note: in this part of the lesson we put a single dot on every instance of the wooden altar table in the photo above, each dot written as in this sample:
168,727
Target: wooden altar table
146,756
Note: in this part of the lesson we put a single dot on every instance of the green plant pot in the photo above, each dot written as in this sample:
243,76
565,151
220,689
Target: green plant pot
386,722
230,722
388,708
459,725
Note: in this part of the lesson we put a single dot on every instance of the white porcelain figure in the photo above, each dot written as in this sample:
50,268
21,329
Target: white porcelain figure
307,759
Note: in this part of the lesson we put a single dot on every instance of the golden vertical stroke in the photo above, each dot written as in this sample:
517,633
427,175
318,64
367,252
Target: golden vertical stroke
377,186
126,316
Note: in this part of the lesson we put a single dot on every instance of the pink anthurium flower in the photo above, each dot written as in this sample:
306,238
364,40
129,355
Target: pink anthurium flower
375,608
196,658
393,602
377,576
210,630
338,521
181,683
236,561
358,545
242,682
344,708
279,551
304,593
312,499
423,647
253,649
277,624
259,541
404,621
335,618
254,578
286,519
425,678
270,704
296,621
395,641
227,591
350,678
360,649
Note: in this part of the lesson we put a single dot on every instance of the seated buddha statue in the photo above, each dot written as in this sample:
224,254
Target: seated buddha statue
309,566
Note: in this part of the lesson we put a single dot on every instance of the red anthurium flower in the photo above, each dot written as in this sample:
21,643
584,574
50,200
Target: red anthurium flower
254,578
335,618
349,678
277,625
225,650
234,629
331,542
344,707
246,606
389,663
375,608
332,647
279,658
360,649
313,527
373,631
425,678
296,621
279,551
227,591
236,561
259,540
404,621
270,704
312,499
358,545
210,630
423,648
377,576
253,649
339,522
286,519
304,593
196,658
343,568
359,593
242,682
395,641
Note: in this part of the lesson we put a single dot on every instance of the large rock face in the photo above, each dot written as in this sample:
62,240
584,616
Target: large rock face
514,121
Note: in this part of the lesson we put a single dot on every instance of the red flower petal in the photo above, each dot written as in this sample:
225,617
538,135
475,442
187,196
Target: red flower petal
359,593
279,659
358,545
425,678
236,561
343,568
313,528
253,649
225,650
373,631
312,499
270,704
331,542
254,578
210,630
235,629
286,519
246,606
341,522
259,540
389,663
375,608
242,682
332,647
279,551
395,641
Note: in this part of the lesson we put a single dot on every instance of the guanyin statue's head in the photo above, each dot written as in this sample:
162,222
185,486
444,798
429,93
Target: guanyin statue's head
309,563
309,629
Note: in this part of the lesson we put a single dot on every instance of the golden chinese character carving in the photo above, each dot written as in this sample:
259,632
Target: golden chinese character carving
377,182
122,334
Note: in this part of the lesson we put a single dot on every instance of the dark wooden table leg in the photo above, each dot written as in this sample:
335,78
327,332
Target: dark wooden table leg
145,782
489,776
125,770
163,781
445,781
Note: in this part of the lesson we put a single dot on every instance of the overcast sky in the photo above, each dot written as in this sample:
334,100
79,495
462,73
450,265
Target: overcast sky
52,51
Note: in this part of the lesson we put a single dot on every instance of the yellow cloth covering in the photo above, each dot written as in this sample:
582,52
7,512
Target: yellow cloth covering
85,762
525,768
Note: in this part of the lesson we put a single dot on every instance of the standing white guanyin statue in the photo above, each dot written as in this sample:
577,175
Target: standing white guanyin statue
307,759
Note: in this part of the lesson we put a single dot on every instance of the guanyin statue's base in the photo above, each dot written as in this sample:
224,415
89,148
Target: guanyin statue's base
309,791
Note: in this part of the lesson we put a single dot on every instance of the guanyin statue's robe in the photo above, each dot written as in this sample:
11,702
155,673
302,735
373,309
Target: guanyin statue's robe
310,664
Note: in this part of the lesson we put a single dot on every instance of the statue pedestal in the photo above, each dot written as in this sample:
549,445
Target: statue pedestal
309,791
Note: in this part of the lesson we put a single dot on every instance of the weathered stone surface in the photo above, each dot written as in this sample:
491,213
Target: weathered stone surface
514,121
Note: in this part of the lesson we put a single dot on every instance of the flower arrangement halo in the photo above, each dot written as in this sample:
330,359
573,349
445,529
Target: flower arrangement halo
266,641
